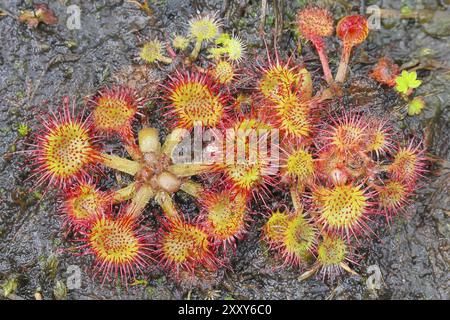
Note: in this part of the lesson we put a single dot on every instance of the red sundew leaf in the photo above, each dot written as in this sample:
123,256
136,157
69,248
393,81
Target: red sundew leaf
41,13
45,14
29,18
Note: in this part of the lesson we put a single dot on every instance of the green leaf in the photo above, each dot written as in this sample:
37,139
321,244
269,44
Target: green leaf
405,10
10,286
401,86
407,81
140,282
223,37
23,129
60,290
415,84
416,106
412,80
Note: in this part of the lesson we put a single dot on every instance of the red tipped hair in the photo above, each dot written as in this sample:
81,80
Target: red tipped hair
120,246
65,149
195,99
114,110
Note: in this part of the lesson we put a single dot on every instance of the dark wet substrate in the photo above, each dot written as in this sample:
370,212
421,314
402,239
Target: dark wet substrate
38,67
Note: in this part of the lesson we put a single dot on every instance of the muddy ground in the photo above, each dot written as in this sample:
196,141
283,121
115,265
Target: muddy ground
38,67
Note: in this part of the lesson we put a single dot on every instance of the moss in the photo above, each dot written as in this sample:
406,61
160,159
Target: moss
10,285
60,290
23,129
50,266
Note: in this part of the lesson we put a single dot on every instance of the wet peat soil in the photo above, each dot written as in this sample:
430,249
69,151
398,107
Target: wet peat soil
39,67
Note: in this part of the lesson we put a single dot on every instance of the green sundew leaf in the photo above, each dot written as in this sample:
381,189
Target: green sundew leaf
216,53
234,48
416,106
222,38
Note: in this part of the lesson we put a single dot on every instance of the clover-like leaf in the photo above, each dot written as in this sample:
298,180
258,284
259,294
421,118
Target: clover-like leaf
412,80
416,106
406,82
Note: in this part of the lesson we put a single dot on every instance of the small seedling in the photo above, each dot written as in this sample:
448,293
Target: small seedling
406,82
415,106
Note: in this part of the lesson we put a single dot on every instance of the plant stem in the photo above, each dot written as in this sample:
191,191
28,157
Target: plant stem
143,6
166,203
347,268
309,273
165,60
296,199
196,51
131,147
343,65
263,16
326,94
320,47
133,151
124,194
193,188
187,170
143,195
174,138
120,164
149,140
170,50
